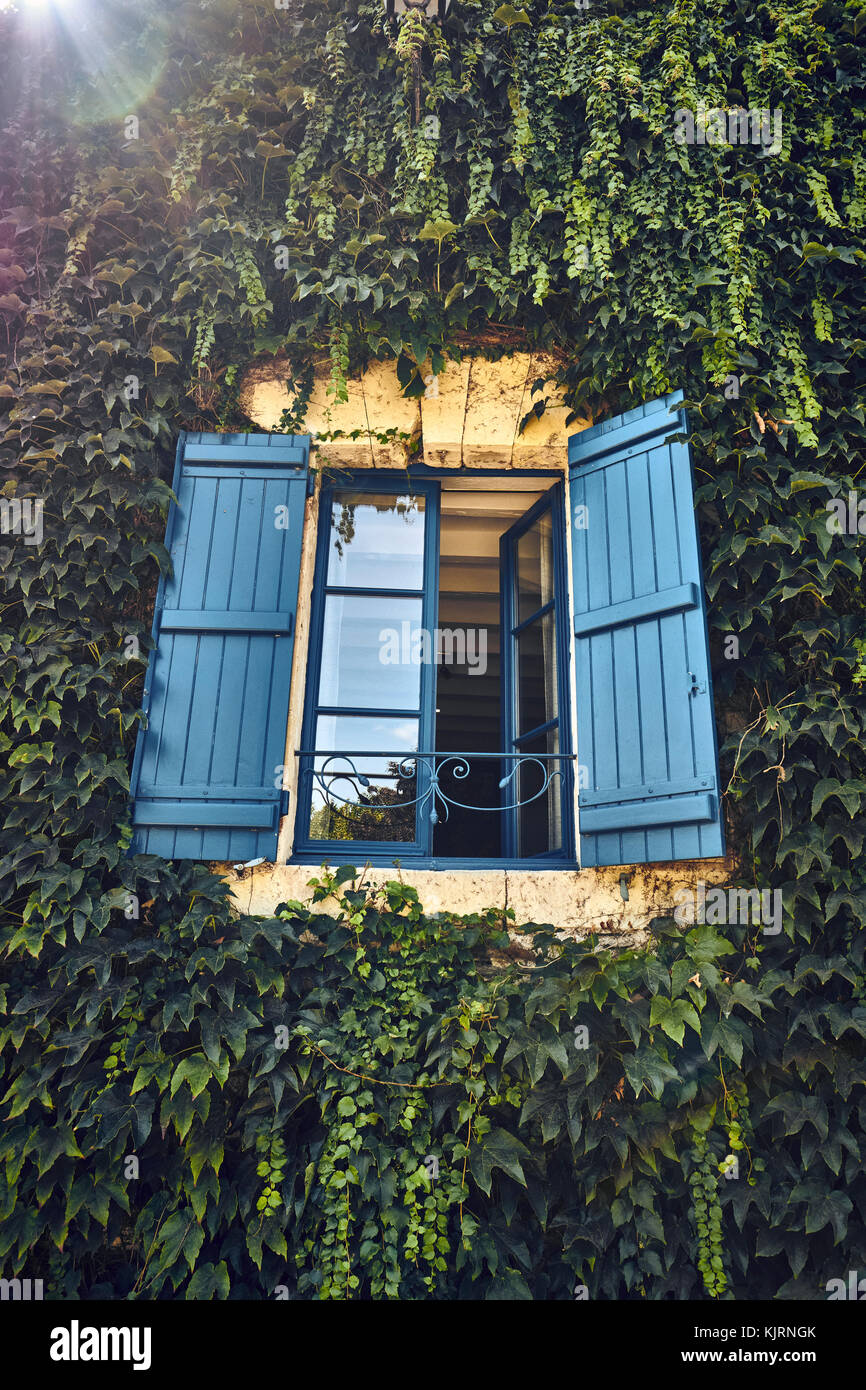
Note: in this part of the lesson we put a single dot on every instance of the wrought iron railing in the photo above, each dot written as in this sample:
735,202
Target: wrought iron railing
427,770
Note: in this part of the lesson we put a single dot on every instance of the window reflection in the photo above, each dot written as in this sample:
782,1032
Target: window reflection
535,568
537,701
539,826
358,795
377,541
360,666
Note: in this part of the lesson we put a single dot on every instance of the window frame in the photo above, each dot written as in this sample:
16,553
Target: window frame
417,853
554,501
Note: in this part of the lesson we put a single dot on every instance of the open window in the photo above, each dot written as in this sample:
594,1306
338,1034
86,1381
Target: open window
435,692
437,721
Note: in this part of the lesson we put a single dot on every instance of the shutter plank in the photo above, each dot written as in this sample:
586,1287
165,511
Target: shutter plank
261,815
648,813
636,846
204,453
671,643
628,611
625,693
195,620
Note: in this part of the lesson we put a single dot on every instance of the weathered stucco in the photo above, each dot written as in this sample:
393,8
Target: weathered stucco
470,416
577,902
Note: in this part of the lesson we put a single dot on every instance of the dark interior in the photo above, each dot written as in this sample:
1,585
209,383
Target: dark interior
469,703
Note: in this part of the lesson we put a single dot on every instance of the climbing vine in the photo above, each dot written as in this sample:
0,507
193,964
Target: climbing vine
318,182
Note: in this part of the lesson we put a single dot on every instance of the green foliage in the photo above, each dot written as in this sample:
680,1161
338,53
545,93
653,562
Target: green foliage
352,1102
315,182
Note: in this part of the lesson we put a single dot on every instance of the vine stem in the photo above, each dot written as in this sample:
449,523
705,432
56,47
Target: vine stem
377,1080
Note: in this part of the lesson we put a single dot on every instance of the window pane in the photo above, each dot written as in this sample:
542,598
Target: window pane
536,674
535,567
539,820
377,541
369,794
370,655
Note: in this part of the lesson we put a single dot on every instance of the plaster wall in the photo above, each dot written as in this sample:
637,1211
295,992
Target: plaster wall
470,416
577,903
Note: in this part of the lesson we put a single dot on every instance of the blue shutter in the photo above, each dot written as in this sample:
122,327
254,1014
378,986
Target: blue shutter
217,686
646,739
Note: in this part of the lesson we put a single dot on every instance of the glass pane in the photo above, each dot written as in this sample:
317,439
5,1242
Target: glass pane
377,541
536,674
366,789
371,655
535,567
539,819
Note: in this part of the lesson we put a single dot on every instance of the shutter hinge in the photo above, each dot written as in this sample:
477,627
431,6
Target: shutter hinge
311,481
696,687
284,803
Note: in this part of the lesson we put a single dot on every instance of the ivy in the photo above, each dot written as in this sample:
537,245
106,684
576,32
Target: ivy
318,182
358,1101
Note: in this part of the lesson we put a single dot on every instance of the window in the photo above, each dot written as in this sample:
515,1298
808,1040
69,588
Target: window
447,627
435,690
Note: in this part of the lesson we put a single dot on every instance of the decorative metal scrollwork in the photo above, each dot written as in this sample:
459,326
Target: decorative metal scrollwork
431,799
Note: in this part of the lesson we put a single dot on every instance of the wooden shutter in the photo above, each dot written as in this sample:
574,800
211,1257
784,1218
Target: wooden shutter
205,780
646,739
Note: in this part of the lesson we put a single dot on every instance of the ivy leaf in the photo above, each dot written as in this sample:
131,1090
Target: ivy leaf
849,794
133,310
116,1112
799,1110
729,1034
510,1286
160,354
508,15
52,387
804,482
437,231
116,274
672,1015
831,1208
647,1068
209,1281
498,1149
195,1070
